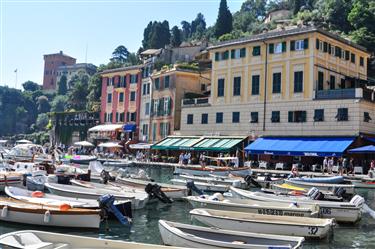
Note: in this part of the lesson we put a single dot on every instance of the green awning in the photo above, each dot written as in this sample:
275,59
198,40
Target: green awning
218,144
176,143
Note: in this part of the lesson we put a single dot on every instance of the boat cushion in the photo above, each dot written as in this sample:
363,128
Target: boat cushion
11,241
31,241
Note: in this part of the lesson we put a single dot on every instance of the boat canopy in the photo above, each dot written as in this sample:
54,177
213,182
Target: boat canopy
300,146
140,146
363,150
196,143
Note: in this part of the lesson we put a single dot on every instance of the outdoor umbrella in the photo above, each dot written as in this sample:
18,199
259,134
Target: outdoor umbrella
110,145
84,144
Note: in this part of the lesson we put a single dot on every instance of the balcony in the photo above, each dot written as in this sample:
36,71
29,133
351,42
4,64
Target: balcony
196,102
346,93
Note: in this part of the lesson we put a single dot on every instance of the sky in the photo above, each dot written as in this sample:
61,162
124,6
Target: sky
31,28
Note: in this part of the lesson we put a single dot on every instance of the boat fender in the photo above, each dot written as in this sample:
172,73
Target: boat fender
216,197
4,212
38,194
294,204
65,207
357,200
47,217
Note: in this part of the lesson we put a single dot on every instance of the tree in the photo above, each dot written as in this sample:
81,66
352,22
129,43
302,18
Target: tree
176,37
31,86
147,35
42,121
59,103
43,105
62,86
224,20
120,54
335,13
186,30
133,59
198,26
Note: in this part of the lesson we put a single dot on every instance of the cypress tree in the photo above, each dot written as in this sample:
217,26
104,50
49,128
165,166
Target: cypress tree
176,37
224,20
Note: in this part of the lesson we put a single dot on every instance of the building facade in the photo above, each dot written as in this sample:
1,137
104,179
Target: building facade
169,88
298,82
52,62
120,99
69,71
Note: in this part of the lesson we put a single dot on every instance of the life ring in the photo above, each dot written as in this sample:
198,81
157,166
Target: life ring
296,192
37,194
65,207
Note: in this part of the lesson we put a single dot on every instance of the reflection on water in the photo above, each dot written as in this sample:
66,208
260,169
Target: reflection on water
145,226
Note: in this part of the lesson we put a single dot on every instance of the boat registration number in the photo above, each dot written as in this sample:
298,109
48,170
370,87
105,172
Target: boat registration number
325,210
312,230
269,211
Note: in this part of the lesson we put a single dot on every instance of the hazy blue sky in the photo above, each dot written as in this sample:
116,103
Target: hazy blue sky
30,29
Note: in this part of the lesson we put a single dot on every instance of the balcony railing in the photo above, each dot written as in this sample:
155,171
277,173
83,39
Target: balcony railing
346,93
196,102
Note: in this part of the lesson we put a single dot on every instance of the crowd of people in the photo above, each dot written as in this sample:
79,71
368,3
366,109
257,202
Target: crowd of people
345,165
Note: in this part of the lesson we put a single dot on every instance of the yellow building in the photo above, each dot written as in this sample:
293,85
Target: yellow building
303,81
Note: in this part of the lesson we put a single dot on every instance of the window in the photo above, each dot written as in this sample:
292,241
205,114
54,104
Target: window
204,118
133,116
148,88
352,58
122,81
347,55
235,117
318,115
145,129
117,117
256,51
109,98
342,84
219,56
320,80
132,96
133,78
220,87
190,118
219,117
279,48
147,109
325,47
361,61
154,128
255,85
296,116
254,117
275,117
338,52
235,54
342,114
276,83
237,86
298,81
318,44
122,117
110,81
366,117
157,83
121,97
166,81
332,82
299,45
144,89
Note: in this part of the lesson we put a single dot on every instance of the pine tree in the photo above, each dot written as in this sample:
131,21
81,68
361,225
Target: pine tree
62,86
176,37
224,20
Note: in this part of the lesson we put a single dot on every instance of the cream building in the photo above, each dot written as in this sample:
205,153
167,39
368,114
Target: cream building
303,81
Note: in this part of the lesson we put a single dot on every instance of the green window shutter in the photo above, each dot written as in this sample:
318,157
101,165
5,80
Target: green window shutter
347,55
325,47
303,116
337,52
292,45
270,48
169,106
290,116
283,47
306,43
329,48
232,53
226,55
317,44
243,52
217,56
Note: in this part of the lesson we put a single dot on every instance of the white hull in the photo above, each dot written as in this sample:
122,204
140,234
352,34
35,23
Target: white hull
63,190
254,207
322,186
363,184
212,170
217,180
342,212
58,240
281,225
15,181
203,185
201,237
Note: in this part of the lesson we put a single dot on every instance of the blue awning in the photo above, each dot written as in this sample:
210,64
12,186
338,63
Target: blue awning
363,150
129,127
300,146
371,139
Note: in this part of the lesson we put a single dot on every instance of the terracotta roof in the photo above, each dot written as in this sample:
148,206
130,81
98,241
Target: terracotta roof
122,69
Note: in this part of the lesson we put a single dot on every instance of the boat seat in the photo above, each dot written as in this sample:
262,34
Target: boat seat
31,241
11,241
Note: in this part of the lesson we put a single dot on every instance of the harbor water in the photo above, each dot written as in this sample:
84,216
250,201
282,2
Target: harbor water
145,223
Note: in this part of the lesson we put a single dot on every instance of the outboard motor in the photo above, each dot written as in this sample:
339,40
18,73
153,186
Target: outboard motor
315,194
250,181
339,192
106,177
357,200
154,191
191,187
106,204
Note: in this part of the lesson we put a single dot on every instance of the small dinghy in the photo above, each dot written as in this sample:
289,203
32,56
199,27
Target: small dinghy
178,234
139,200
328,187
204,186
35,214
206,171
172,191
328,180
29,239
256,223
36,183
237,182
349,212
364,183
217,201
82,159
10,179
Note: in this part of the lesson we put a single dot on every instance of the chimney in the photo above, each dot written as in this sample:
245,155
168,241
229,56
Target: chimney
61,52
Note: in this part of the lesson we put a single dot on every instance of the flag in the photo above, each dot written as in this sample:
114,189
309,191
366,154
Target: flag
15,70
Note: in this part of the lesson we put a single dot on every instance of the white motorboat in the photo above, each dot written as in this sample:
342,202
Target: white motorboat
35,214
10,179
328,187
29,239
178,234
269,224
139,200
364,183
204,186
172,191
212,179
342,211
206,171
217,201
109,187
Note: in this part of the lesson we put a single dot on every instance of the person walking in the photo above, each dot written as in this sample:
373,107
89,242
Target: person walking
345,166
330,165
325,165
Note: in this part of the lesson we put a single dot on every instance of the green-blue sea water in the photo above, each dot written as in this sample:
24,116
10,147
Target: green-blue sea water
145,223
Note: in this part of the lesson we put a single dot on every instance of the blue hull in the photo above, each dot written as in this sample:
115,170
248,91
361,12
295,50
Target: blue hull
329,180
